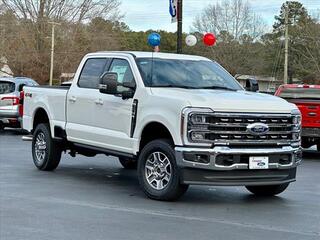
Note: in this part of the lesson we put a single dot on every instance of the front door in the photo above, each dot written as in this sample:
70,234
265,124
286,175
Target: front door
113,115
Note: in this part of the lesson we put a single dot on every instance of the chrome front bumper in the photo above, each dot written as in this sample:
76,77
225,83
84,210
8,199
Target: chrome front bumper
218,150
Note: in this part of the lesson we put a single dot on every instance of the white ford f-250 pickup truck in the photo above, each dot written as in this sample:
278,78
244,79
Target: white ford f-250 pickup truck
178,119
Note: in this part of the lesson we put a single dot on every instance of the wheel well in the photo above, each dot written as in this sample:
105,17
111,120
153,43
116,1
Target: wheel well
152,132
41,116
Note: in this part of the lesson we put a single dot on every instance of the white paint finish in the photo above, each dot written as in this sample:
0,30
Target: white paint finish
108,125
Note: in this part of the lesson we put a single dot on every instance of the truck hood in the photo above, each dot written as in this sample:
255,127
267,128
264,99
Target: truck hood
227,101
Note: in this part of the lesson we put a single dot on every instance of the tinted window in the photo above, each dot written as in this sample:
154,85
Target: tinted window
91,72
185,73
122,68
302,93
6,87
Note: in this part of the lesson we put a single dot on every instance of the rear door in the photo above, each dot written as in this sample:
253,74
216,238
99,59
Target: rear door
81,102
307,100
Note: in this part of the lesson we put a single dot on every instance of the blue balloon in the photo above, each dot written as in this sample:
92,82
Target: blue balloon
154,39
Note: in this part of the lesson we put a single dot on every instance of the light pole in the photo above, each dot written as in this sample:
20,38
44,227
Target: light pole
179,30
53,24
286,48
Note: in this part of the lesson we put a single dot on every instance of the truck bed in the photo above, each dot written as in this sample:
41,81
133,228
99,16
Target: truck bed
50,98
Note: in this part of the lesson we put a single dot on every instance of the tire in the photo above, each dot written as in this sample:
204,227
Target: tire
128,163
157,159
269,190
46,153
318,147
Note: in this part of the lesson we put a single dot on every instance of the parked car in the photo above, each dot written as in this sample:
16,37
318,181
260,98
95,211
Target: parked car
11,99
179,119
307,98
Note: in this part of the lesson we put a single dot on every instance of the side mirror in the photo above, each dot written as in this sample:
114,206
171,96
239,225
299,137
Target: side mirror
252,85
109,83
131,85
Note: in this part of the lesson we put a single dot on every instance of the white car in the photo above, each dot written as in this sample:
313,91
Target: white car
11,101
179,119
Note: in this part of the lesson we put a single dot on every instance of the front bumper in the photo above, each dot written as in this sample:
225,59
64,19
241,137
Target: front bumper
215,172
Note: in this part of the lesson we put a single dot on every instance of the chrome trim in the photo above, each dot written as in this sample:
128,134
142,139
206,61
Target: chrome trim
214,152
186,130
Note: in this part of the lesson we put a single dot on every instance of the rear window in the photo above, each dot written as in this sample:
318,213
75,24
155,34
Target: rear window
300,93
6,87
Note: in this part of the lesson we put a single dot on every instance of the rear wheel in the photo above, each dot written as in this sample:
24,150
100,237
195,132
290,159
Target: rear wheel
45,151
269,190
128,163
158,172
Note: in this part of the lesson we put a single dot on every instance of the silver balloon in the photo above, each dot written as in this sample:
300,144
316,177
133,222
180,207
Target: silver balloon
191,40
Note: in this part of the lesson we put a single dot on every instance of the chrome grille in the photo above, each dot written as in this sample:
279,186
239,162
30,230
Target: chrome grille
232,128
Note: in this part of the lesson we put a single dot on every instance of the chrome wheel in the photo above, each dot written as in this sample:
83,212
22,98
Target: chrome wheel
158,170
40,148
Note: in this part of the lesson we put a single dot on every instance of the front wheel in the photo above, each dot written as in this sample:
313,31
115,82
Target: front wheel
45,151
158,172
269,190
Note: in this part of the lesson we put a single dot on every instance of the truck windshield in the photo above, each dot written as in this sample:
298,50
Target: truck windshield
6,87
300,93
191,74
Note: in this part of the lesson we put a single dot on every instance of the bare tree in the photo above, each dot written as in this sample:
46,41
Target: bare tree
69,10
232,16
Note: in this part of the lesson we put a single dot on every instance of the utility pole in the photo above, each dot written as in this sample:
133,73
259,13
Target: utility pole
53,24
179,30
286,47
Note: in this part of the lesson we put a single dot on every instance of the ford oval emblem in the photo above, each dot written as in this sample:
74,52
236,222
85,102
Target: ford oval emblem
258,128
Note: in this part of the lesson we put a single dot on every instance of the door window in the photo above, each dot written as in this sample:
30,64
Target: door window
91,72
122,68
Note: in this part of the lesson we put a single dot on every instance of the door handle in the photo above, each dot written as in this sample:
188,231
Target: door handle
98,102
72,99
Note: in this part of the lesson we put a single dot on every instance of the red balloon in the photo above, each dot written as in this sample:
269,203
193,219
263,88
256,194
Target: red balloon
209,39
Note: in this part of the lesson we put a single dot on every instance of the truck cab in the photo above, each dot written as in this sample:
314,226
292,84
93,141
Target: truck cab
179,119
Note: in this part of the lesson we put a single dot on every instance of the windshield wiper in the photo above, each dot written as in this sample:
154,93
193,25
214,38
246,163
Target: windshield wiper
218,87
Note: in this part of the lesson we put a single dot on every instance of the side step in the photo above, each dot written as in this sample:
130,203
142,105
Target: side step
27,138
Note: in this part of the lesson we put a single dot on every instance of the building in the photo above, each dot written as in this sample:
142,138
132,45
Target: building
266,84
5,70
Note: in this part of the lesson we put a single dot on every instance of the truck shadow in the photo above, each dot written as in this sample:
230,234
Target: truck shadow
311,154
124,183
12,132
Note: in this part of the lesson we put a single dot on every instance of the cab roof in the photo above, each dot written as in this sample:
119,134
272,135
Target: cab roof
150,55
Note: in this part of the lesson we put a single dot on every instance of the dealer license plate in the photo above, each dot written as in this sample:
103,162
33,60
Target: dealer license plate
258,162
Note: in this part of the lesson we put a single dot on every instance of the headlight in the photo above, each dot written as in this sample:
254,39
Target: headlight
194,123
197,136
296,119
197,118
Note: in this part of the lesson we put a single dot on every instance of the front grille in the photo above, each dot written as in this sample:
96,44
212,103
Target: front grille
232,128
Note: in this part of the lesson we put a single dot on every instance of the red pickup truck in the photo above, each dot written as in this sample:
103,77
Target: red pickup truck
307,99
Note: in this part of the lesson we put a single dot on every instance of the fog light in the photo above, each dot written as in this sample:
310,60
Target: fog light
198,158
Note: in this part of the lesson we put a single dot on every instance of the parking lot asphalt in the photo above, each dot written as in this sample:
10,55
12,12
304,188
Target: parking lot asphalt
94,198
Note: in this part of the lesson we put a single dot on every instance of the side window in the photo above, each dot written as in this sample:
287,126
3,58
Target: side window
91,72
122,68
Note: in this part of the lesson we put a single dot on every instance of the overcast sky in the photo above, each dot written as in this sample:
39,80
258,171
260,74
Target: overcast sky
154,14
